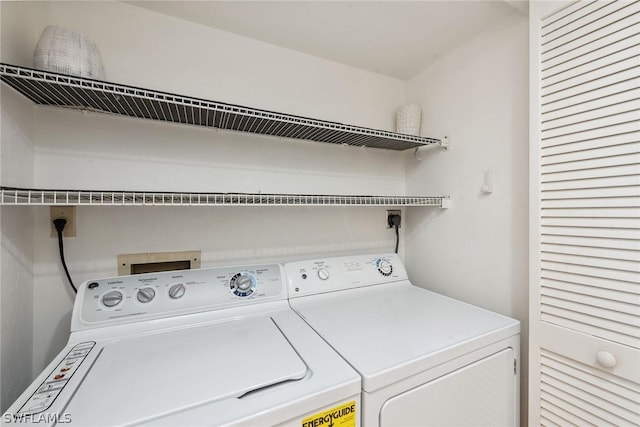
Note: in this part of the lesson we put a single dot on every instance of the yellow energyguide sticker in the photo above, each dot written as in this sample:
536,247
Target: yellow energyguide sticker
339,416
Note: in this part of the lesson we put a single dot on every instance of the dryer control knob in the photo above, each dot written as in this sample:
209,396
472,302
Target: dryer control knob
384,267
145,295
112,298
323,273
177,291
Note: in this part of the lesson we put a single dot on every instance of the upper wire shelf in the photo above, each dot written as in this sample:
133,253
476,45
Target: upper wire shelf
31,197
47,88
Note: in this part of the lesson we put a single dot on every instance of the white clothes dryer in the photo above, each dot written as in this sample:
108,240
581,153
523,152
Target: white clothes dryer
195,347
425,359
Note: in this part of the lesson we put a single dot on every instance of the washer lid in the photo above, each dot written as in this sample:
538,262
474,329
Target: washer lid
141,378
390,332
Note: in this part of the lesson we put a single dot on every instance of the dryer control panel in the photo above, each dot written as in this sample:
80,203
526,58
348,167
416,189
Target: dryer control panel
165,294
341,273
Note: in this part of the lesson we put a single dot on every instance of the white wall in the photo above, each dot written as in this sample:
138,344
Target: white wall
161,52
18,32
16,252
77,150
477,251
16,296
16,237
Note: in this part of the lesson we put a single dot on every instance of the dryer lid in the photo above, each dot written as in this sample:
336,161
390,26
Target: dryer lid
390,332
141,378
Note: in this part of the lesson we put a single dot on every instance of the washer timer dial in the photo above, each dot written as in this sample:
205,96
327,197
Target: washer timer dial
384,267
243,284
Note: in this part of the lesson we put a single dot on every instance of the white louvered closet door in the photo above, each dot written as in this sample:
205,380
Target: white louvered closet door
585,214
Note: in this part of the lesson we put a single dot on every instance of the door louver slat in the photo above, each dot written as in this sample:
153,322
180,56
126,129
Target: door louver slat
630,148
589,295
581,14
579,394
615,23
588,270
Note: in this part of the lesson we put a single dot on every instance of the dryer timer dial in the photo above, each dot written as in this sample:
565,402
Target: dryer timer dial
323,273
384,267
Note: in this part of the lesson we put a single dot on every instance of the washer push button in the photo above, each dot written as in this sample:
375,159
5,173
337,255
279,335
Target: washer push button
57,380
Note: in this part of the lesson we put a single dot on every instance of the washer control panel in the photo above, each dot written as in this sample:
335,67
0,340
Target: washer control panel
57,380
170,293
335,274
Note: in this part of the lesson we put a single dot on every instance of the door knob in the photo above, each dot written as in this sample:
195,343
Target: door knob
606,359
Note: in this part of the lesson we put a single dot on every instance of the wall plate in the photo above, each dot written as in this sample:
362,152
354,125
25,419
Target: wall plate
392,212
157,261
68,213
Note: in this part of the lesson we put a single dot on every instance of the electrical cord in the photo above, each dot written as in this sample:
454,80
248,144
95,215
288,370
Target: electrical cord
59,224
397,238
394,221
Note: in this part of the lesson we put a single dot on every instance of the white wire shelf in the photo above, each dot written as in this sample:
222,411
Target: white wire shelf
36,197
60,90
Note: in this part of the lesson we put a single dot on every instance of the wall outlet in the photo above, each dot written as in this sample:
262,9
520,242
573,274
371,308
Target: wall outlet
68,213
392,212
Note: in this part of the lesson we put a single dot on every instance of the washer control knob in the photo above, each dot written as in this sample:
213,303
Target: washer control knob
177,291
384,267
323,273
243,284
145,295
112,298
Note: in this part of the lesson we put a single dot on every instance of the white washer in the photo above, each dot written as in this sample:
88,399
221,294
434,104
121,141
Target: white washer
425,359
196,347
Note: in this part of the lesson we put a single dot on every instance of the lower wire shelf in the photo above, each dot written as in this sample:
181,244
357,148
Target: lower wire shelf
39,197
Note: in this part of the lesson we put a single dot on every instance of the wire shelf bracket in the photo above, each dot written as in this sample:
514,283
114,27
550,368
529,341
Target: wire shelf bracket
60,90
444,143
